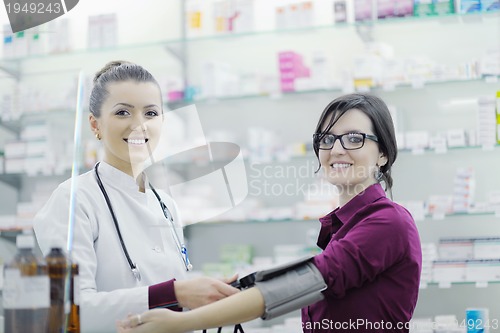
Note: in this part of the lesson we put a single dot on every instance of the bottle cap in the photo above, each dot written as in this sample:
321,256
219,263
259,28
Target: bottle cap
25,241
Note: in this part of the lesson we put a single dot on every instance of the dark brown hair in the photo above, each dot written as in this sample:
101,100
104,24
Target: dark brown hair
115,71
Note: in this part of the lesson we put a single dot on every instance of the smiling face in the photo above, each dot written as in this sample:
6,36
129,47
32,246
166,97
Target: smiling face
129,124
352,171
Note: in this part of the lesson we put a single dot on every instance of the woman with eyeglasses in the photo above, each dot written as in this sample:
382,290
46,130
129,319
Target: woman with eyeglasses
371,258
127,236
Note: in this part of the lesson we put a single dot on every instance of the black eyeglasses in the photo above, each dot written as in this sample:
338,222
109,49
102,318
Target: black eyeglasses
349,141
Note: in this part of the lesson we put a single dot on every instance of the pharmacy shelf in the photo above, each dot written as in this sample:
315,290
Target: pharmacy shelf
464,214
336,90
298,220
12,233
14,179
218,223
310,155
37,175
447,284
448,18
87,52
456,299
16,125
430,151
10,179
11,125
437,217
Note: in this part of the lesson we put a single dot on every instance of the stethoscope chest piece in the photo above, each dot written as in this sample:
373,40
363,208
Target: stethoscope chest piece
136,272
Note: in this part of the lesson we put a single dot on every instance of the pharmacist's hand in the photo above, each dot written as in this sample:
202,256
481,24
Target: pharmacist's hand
201,291
153,321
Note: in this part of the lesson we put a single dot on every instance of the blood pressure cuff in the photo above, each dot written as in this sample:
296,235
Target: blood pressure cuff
290,287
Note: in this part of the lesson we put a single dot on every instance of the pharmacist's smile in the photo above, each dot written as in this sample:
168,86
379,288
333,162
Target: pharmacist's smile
136,142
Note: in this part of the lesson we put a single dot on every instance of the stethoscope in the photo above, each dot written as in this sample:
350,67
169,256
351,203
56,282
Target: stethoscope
166,212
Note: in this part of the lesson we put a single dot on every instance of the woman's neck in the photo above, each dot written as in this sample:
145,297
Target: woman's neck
348,192
141,182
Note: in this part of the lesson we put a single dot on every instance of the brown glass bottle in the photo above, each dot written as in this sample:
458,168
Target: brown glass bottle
73,325
26,293
57,266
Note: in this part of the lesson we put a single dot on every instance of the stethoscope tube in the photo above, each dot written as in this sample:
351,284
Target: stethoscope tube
166,212
180,245
133,266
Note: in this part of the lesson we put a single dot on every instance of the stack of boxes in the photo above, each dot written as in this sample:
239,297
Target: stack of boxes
194,17
291,67
463,190
229,16
471,6
233,257
433,7
40,150
429,255
394,8
103,31
487,119
21,44
467,260
490,5
295,15
444,7
35,41
58,39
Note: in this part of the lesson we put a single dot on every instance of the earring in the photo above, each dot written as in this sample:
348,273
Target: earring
97,136
378,174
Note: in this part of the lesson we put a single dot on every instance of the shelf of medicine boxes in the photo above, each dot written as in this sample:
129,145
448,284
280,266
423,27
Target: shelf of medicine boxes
286,220
11,125
208,43
445,149
14,62
14,179
446,18
337,91
12,233
217,224
447,284
427,217
309,155
171,44
16,125
451,18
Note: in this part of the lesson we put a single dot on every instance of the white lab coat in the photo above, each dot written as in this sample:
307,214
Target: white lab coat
109,291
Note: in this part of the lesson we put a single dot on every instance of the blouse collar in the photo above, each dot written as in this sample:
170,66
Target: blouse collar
346,212
120,180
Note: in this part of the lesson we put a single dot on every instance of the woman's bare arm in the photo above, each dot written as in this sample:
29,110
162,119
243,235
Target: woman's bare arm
238,308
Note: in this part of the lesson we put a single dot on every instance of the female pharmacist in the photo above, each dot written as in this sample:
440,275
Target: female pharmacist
125,240
371,257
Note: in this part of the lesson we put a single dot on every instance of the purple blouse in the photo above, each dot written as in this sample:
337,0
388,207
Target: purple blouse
371,262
